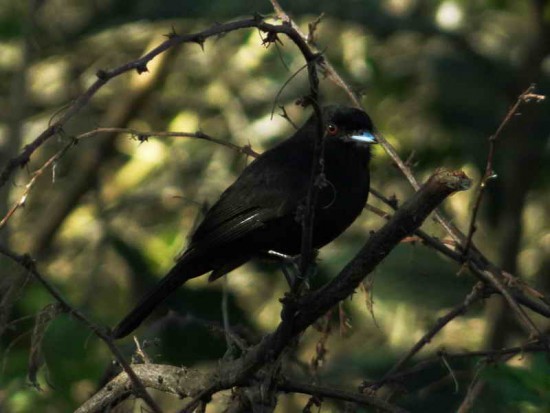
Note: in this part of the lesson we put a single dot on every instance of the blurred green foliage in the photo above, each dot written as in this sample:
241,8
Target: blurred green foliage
436,76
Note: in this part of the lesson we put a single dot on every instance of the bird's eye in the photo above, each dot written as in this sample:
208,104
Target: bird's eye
332,129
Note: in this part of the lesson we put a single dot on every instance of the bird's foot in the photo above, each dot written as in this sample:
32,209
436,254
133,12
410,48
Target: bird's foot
290,266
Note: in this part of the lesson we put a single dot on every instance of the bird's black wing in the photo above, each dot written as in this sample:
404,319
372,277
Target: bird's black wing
268,189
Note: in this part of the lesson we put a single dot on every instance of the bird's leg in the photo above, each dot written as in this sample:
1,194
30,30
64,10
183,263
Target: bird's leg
290,276
290,267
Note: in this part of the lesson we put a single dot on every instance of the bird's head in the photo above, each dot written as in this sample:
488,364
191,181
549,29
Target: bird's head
348,124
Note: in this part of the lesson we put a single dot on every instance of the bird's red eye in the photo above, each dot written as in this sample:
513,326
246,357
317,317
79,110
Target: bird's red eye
332,129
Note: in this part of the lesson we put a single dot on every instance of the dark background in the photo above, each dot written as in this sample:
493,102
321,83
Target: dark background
437,77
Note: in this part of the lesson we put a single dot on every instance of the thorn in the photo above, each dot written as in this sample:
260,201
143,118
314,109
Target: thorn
257,17
142,138
304,101
319,58
28,261
200,41
271,38
102,74
172,33
394,202
142,68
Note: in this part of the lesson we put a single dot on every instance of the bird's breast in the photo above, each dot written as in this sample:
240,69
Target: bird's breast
342,197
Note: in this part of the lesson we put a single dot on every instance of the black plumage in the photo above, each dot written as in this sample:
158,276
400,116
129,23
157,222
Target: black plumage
258,212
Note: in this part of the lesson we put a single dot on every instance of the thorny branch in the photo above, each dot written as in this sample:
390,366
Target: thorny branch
475,295
27,262
449,359
512,290
140,65
521,292
326,67
489,173
137,134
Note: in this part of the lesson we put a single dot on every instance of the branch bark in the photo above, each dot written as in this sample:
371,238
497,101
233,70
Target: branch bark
183,382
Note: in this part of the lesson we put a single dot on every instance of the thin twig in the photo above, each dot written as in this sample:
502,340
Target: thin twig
286,82
144,135
139,135
285,115
489,173
451,371
484,271
330,392
36,174
488,356
312,28
526,321
27,262
475,295
474,390
141,352
326,66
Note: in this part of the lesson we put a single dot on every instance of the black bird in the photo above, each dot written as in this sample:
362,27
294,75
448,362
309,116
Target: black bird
258,213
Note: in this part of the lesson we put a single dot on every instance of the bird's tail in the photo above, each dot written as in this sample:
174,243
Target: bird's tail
185,269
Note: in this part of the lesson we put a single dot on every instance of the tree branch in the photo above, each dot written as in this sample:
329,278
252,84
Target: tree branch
487,356
139,135
479,266
330,392
475,295
180,381
489,173
27,262
184,382
140,65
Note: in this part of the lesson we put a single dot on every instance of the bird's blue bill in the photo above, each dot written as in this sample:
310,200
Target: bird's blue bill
365,136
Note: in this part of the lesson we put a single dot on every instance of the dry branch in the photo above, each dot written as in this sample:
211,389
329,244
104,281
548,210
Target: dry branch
182,382
489,173
140,65
27,263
